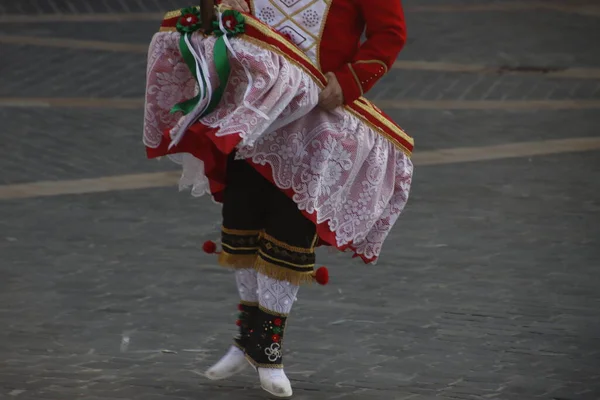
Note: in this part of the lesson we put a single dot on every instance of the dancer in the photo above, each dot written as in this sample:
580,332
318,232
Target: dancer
268,234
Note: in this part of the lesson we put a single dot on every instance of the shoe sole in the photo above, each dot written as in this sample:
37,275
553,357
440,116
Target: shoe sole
277,395
235,372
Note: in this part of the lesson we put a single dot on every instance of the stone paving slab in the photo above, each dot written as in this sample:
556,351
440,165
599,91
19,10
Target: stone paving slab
530,38
40,7
487,287
37,7
436,85
49,144
70,73
117,32
438,129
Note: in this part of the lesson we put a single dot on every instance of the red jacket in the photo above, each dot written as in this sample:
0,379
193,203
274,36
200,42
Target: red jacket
357,66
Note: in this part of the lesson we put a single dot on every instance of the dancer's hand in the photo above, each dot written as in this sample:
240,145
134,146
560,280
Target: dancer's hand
332,96
238,5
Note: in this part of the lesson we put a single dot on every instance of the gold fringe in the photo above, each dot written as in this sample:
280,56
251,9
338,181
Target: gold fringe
282,274
265,267
270,259
237,260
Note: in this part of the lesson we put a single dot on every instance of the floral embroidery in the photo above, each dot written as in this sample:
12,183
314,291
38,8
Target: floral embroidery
229,22
189,20
233,22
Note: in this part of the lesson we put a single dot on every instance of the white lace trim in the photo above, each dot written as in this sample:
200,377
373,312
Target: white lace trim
281,91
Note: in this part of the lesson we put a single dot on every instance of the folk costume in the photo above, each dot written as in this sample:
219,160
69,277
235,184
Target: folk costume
236,105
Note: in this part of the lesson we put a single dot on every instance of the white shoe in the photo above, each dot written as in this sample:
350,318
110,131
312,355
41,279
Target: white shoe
275,382
230,364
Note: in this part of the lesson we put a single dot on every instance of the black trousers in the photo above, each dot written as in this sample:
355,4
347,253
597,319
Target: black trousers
263,228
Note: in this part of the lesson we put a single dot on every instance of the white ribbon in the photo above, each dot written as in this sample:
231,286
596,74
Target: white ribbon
203,74
248,74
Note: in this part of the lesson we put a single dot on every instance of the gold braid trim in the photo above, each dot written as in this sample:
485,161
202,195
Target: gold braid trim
177,13
253,248
267,31
282,53
249,303
258,365
385,67
356,79
295,249
237,260
282,274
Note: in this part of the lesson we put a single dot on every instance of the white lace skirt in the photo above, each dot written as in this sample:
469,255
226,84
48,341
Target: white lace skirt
348,178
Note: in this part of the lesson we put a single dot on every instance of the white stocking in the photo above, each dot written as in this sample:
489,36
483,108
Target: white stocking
247,284
275,295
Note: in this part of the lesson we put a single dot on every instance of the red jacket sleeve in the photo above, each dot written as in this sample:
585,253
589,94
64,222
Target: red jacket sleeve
386,35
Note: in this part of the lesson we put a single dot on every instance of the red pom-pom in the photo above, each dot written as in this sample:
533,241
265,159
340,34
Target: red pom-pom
322,276
238,322
240,307
209,247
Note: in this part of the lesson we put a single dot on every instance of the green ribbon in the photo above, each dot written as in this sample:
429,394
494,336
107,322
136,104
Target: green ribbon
188,105
223,70
221,61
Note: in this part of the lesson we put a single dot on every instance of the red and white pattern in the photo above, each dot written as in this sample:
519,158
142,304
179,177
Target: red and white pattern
348,179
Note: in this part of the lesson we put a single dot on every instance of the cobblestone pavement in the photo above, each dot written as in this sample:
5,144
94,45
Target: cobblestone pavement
488,287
